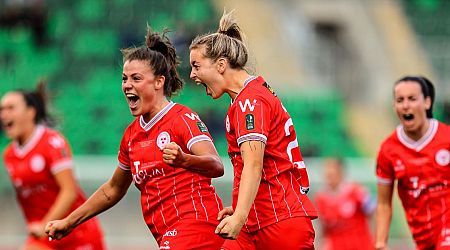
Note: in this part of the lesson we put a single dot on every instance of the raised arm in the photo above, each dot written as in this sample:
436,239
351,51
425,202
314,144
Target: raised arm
383,215
104,198
252,153
204,158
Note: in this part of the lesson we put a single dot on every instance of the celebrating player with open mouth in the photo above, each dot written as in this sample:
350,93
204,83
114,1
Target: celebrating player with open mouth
270,207
167,152
417,155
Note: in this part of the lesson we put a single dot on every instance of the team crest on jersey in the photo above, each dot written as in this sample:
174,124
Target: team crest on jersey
227,124
163,139
269,88
37,163
443,157
201,126
249,121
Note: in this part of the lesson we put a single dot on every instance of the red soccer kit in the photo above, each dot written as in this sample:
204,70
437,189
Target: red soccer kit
422,169
257,114
31,168
343,215
168,194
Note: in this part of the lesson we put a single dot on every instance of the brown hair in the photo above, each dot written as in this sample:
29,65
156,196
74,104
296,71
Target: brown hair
227,43
159,52
37,99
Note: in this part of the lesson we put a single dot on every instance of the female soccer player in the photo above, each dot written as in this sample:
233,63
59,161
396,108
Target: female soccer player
39,162
344,208
167,152
417,156
270,204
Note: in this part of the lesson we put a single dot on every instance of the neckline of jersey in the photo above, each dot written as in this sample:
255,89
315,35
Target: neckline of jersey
423,141
246,82
147,126
28,146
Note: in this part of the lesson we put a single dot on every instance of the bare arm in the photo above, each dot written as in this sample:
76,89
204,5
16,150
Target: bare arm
383,215
252,154
104,198
204,158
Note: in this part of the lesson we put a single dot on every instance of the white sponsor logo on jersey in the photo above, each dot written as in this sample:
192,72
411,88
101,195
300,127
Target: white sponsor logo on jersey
443,157
247,103
37,163
192,116
163,139
227,123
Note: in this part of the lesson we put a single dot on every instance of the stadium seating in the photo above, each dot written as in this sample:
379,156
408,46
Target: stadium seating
83,66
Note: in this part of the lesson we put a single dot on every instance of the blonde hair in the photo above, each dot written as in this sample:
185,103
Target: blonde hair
227,43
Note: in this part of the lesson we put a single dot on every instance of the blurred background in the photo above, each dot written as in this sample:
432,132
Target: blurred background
332,63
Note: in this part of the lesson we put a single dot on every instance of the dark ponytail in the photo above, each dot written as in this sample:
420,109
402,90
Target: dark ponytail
37,99
427,89
161,56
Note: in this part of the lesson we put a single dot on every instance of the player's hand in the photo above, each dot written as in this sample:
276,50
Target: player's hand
37,229
225,212
57,229
173,155
381,246
230,227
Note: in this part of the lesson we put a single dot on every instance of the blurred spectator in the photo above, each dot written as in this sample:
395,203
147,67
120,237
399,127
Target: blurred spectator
344,210
32,13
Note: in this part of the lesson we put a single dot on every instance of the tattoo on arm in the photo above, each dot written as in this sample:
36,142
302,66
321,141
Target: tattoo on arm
108,198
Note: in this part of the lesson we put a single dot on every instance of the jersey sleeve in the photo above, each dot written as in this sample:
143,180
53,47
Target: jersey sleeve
123,155
384,170
252,118
191,129
58,153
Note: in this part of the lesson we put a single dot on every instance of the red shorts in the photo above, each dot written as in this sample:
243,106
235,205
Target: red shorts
191,234
293,233
87,236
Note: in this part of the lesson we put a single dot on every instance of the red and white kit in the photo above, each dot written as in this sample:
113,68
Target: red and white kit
422,169
257,114
168,194
32,168
344,217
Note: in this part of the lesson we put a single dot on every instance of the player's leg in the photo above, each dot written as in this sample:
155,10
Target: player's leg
293,233
244,241
191,234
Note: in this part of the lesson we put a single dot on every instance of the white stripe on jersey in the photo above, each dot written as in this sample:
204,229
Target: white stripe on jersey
252,137
292,186
201,199
197,139
383,181
215,195
162,207
271,198
284,190
190,131
192,197
124,167
153,212
256,215
175,197
61,165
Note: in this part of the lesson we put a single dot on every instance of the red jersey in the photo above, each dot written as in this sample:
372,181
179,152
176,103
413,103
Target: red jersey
257,114
168,194
344,217
31,168
422,169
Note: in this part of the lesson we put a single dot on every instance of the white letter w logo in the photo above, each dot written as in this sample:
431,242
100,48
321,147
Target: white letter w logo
247,103
192,116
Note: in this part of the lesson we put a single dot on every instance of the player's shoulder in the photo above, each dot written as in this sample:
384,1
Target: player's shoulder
256,88
390,141
443,126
